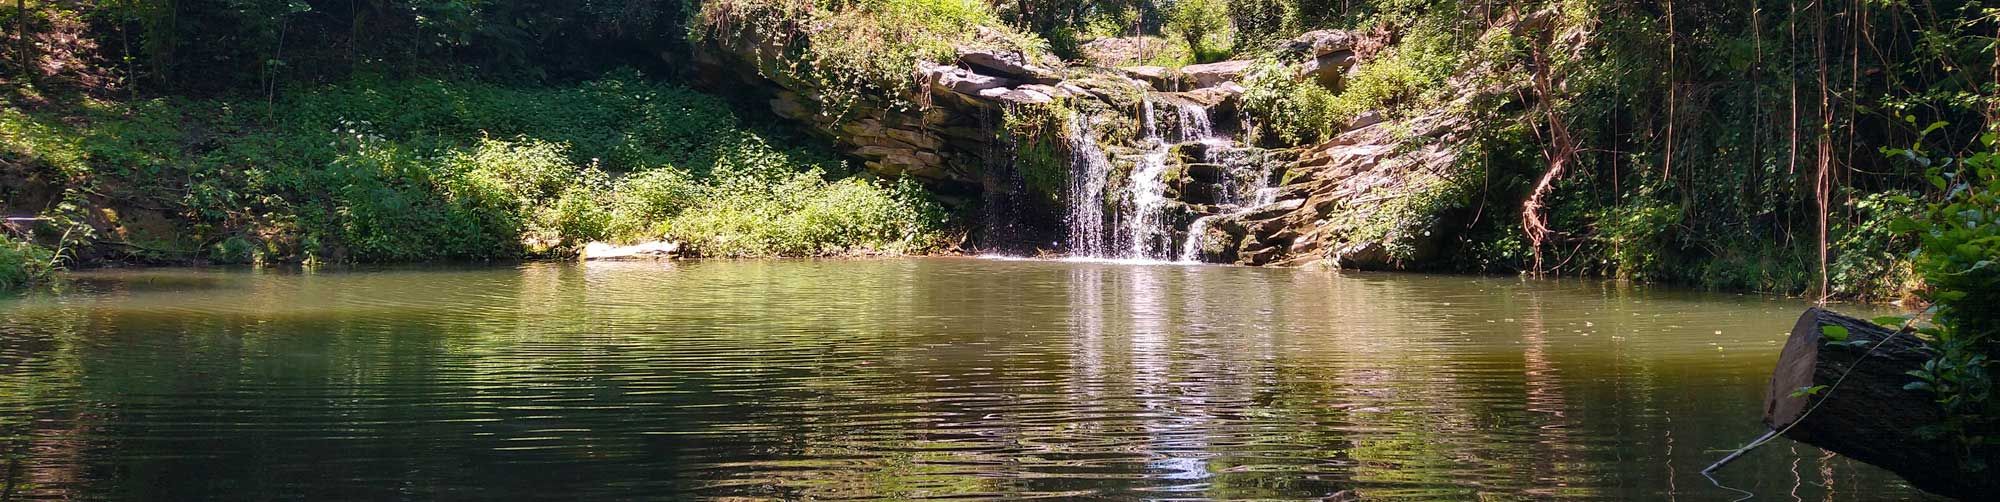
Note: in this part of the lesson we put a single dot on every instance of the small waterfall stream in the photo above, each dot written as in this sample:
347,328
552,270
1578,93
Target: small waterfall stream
1089,168
1140,223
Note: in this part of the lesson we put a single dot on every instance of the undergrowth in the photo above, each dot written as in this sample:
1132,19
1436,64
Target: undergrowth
389,171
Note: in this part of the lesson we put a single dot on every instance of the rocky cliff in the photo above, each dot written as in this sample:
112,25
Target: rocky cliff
1153,163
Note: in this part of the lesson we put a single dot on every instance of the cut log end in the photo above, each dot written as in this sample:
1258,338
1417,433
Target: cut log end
1860,408
1794,372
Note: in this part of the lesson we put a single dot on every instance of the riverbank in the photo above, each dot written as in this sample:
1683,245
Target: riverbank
424,170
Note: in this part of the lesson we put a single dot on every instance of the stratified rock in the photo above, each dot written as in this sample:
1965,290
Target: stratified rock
1160,77
1006,63
1016,96
959,80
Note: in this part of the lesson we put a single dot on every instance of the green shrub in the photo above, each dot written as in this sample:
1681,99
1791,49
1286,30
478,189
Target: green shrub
1295,111
1958,256
1259,23
1637,235
1870,257
805,215
645,200
1203,25
396,171
862,49
23,264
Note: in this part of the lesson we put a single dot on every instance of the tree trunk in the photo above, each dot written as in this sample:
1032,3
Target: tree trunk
1868,416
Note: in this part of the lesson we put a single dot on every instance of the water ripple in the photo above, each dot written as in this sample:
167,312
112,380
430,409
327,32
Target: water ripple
889,379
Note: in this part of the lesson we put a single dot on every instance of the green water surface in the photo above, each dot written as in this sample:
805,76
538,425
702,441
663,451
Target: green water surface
896,379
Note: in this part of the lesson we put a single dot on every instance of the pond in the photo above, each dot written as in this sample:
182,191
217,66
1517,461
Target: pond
893,378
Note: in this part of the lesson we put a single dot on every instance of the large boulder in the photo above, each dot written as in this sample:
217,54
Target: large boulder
1010,64
959,80
1213,74
1324,56
1160,77
1316,43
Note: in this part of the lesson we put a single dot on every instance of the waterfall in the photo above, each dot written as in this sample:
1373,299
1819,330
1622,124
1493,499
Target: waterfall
1147,230
1191,250
1194,122
1147,227
1259,197
1088,170
1140,224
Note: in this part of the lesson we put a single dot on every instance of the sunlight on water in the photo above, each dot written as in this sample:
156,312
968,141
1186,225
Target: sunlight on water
920,378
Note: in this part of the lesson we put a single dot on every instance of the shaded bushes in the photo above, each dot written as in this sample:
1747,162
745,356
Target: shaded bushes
23,264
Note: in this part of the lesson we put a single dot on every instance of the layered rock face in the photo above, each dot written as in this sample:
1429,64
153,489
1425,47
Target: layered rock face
944,139
1337,205
1155,167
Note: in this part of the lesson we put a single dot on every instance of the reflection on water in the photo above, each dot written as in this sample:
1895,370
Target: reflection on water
890,379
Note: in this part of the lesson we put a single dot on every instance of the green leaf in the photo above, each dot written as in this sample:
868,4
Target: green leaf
1808,391
1835,333
1893,321
1904,225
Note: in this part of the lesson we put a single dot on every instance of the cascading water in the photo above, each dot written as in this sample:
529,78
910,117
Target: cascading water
1147,232
1147,228
1194,122
1088,169
1259,197
1142,228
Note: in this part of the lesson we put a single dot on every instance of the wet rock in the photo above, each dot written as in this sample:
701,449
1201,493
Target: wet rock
1214,96
1207,173
1202,193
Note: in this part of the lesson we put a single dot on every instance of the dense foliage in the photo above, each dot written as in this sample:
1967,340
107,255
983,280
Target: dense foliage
429,169
861,50
1706,142
22,263
1959,258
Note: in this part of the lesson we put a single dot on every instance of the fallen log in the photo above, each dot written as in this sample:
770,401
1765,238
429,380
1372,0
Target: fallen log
1862,411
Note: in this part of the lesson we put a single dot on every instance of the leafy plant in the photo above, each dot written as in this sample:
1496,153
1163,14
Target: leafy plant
1203,25
23,264
1958,257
